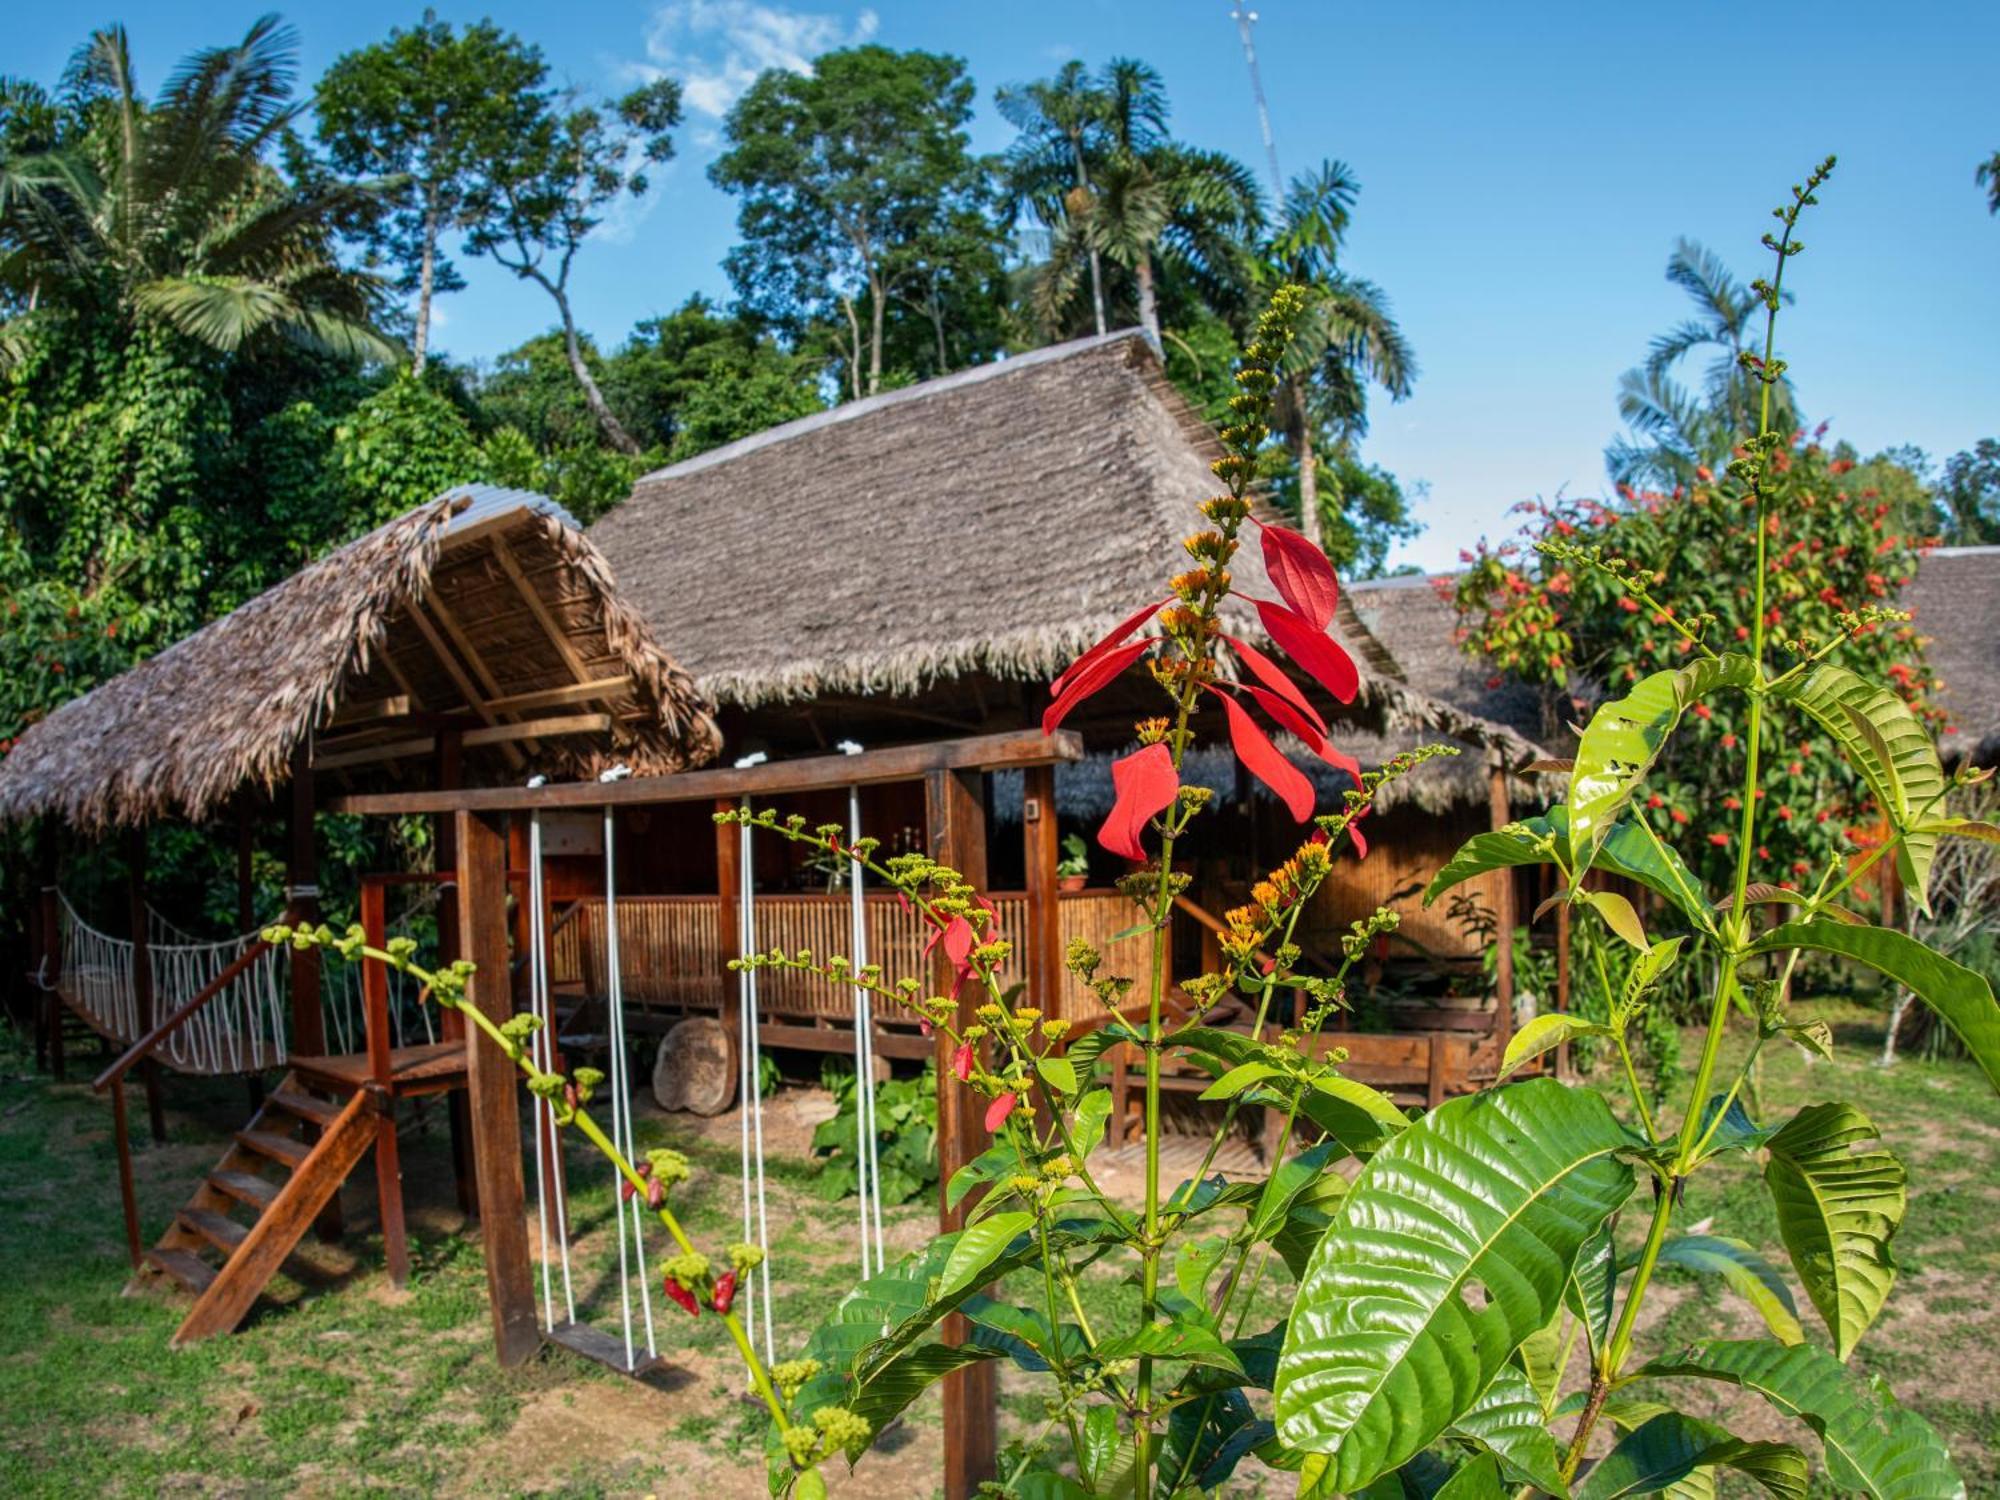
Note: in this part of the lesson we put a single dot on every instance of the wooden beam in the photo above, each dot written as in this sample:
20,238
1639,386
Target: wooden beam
467,536
955,814
1013,749
492,1087
369,755
475,693
530,596
538,729
1041,854
395,706
562,697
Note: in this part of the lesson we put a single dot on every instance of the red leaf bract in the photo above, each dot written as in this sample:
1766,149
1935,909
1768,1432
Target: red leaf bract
1091,680
1261,757
1117,633
1312,648
997,1112
1146,784
1287,717
1273,677
961,1061
1301,574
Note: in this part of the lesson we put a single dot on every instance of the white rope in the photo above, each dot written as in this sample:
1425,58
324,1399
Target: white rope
751,1079
868,1161
621,1115
542,1049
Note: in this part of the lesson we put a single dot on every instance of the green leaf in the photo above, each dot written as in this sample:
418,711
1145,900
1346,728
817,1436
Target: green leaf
1592,1291
1838,1208
1747,1273
1737,1132
811,1486
1620,916
1962,997
1624,738
1084,1051
1889,746
1627,851
1098,1459
1872,1444
899,1381
1670,1447
978,1247
1541,1360
1507,1422
1239,1078
1058,1073
1361,1118
1179,1341
1545,1034
995,1164
1194,1261
1453,1245
1476,1479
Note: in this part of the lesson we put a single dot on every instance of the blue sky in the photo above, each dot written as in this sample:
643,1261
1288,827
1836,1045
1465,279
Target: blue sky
1525,170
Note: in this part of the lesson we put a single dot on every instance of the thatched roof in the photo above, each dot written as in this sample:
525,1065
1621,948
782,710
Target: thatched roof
485,615
1956,600
990,523
1412,619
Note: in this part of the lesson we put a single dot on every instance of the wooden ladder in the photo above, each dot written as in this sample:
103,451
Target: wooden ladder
310,1144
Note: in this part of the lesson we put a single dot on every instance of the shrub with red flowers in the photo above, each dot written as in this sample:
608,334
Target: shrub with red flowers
1837,545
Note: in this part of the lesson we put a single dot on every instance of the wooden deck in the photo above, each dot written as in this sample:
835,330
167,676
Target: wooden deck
434,1068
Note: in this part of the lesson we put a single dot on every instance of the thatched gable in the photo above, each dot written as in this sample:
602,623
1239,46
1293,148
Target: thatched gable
486,614
1955,598
992,522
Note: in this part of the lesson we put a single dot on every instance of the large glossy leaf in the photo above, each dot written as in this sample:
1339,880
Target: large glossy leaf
1748,1274
1889,746
1872,1445
1545,1034
1624,738
1625,851
1670,1447
1838,1208
1507,1422
978,1248
1357,1116
1452,1246
1592,1292
1478,1479
1962,997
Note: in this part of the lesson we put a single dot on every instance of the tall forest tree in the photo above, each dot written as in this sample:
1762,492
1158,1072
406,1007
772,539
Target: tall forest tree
1062,123
420,111
537,196
859,194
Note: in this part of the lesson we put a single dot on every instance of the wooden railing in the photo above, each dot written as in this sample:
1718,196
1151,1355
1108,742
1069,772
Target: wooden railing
113,1078
671,952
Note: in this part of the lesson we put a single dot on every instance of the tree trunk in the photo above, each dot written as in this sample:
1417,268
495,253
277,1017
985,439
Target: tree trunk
1149,311
875,312
607,420
1096,267
1309,525
853,347
937,328
426,285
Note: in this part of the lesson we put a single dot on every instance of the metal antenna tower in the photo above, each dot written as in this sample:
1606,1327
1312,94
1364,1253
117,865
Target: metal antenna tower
1245,18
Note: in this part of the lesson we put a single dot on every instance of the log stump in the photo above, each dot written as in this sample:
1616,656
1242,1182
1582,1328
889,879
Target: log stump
695,1068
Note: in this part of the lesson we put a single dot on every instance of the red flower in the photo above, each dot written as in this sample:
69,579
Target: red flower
1702,710
1088,676
1784,815
1656,801
682,1298
1720,840
1279,685
1312,648
997,1112
1729,742
959,940
1678,816
961,1061
1147,784
725,1292
1301,575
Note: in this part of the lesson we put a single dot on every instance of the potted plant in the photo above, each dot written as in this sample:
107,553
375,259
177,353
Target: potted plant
1073,869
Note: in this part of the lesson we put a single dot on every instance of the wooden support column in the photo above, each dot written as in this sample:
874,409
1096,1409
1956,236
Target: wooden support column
492,1087
1502,815
955,816
1044,947
52,952
375,1013
728,923
142,976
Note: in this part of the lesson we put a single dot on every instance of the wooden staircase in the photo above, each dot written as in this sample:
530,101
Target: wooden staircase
249,1213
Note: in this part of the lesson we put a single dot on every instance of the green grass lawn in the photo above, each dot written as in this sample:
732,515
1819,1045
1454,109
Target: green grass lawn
339,1385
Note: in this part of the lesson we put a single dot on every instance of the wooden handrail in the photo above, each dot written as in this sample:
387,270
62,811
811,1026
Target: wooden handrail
568,914
138,1050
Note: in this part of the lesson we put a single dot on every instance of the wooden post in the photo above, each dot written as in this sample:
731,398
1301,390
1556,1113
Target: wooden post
955,815
375,1013
1502,815
52,950
728,931
142,976
492,1086
1044,970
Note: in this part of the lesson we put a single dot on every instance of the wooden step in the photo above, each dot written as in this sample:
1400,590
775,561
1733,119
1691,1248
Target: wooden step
245,1187
281,1148
606,1349
219,1230
304,1106
189,1270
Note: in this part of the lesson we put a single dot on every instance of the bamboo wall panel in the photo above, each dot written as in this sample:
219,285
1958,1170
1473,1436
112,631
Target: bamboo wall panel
670,955
1386,878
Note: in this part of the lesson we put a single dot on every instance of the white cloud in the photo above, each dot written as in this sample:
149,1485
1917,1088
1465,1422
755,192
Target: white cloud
716,48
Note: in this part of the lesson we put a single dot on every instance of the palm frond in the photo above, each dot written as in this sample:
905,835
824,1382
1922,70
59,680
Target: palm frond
1699,272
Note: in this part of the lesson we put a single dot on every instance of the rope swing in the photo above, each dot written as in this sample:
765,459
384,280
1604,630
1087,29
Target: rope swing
630,1211
749,1077
867,1160
548,1159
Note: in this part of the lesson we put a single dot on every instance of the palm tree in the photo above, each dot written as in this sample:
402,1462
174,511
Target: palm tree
1679,430
1987,175
1348,338
1152,205
1061,120
168,212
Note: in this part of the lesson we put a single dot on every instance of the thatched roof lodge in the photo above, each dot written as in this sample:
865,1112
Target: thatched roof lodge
1955,599
484,619
927,560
